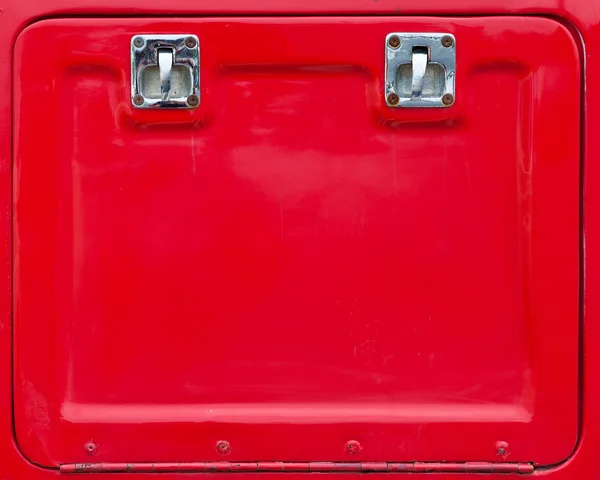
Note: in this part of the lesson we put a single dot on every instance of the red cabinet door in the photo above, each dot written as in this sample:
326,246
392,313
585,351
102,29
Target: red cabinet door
294,265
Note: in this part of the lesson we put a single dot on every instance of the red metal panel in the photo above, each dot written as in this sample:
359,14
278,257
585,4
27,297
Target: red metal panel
580,15
294,265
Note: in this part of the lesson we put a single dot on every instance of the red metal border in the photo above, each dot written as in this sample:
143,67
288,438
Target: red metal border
582,14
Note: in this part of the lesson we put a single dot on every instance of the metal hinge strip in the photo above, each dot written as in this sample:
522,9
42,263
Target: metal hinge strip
228,467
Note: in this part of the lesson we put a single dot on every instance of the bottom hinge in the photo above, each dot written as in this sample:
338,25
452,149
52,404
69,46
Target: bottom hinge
229,467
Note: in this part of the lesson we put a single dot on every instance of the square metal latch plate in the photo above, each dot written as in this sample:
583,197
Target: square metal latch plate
165,71
420,69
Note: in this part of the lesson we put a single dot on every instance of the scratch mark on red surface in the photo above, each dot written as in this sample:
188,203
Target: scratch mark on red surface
394,169
36,406
281,216
386,359
419,435
36,409
193,151
469,179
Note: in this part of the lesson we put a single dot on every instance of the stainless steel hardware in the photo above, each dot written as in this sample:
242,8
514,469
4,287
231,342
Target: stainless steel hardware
165,71
420,69
165,65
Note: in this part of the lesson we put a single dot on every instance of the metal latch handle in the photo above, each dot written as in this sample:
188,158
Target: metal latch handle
165,64
419,67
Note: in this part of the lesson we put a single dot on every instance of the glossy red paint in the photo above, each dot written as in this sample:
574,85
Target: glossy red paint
294,264
579,16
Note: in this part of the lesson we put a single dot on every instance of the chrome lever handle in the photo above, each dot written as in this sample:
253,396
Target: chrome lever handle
165,65
419,66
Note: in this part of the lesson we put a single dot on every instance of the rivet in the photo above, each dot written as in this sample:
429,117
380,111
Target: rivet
502,449
353,447
223,447
393,99
447,41
394,41
448,99
90,448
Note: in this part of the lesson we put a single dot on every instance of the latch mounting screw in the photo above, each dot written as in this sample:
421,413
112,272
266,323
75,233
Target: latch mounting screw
394,41
190,42
448,99
393,99
447,41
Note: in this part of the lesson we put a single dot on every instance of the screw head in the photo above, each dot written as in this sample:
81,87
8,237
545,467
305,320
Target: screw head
394,41
190,42
138,42
138,99
223,447
193,100
448,99
393,99
502,449
353,447
447,41
90,448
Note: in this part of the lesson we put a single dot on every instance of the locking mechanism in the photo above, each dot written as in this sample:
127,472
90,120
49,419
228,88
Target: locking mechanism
420,69
165,71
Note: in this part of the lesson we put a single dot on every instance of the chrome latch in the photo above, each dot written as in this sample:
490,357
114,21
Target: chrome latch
165,71
420,69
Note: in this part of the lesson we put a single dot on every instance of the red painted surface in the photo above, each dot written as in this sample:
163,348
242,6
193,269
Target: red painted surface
294,265
580,15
